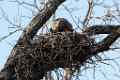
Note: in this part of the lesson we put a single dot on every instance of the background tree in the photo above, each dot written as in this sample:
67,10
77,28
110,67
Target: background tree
36,54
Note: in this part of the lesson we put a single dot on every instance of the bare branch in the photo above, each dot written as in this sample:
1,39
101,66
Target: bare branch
2,38
107,42
101,29
88,14
10,22
38,21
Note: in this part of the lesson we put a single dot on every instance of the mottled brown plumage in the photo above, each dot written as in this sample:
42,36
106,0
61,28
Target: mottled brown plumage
61,25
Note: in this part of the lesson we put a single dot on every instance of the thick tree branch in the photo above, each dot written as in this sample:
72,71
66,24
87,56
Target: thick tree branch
29,32
113,32
101,29
38,21
108,41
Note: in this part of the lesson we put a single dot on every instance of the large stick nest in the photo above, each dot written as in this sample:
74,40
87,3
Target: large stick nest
50,51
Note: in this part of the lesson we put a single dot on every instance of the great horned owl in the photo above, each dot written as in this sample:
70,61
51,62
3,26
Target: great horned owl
61,25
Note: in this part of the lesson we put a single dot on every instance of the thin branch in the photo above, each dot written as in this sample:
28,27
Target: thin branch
71,16
2,38
7,19
28,4
88,15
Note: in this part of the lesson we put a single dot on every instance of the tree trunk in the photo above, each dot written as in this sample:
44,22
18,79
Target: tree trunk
30,60
30,31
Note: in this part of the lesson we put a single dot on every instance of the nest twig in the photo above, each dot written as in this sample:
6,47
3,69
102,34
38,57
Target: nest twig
50,51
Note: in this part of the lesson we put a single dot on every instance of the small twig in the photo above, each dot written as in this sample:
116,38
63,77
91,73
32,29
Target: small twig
23,2
13,24
2,38
71,16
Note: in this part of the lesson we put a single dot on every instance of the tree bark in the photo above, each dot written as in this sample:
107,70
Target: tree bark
81,45
29,32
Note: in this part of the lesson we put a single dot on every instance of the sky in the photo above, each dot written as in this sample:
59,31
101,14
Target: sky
23,15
